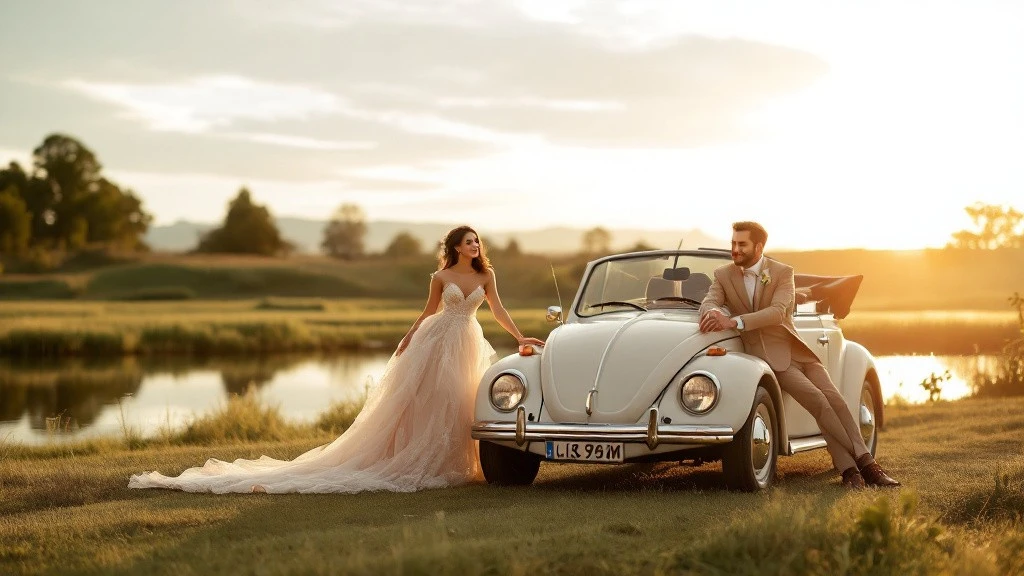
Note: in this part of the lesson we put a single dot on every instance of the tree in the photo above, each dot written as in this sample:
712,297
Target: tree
345,233
115,217
15,223
38,198
997,227
403,245
69,201
72,172
248,229
597,241
512,249
641,246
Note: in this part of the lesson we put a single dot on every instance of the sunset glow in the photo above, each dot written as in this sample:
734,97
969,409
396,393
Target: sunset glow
837,125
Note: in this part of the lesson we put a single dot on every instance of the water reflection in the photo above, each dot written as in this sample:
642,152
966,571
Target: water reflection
901,376
98,399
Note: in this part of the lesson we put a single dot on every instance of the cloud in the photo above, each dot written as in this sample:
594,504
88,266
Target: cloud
206,102
321,86
298,141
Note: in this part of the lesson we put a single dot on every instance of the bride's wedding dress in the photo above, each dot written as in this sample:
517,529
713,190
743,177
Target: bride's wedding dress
413,433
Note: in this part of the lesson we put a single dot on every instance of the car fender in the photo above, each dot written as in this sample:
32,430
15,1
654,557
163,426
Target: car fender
738,375
526,366
857,364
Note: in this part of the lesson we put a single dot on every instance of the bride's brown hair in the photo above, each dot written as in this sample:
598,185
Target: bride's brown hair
448,256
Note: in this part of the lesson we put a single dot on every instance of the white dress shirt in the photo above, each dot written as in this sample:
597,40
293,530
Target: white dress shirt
750,279
750,276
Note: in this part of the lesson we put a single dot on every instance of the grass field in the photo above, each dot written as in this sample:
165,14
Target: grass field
937,279
275,325
66,509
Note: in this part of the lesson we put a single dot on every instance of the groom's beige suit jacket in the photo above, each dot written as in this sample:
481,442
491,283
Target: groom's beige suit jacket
768,330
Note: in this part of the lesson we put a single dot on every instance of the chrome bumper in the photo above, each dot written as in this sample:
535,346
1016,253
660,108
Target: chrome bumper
652,434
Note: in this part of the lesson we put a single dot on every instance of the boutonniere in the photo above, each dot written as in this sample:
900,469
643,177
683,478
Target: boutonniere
766,278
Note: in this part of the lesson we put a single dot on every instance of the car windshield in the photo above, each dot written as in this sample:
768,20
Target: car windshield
643,282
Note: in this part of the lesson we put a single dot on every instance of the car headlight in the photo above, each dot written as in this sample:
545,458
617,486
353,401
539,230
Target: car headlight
699,393
507,391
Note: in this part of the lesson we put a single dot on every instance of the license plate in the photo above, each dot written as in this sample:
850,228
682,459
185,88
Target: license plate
584,451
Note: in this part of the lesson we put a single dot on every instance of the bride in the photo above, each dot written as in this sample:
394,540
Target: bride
413,433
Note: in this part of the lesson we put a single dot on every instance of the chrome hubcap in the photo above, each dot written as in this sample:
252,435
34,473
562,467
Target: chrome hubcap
867,415
761,443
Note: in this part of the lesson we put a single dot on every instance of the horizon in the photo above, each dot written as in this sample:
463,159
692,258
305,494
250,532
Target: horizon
526,115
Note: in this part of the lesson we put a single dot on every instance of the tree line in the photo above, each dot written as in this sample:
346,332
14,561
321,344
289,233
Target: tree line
63,203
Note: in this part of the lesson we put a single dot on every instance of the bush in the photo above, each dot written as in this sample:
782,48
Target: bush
40,261
292,305
156,294
94,257
242,419
36,290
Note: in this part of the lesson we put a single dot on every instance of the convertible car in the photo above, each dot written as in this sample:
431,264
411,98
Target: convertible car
627,376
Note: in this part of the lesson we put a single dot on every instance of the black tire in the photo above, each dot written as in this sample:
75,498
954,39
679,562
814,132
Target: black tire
749,461
504,466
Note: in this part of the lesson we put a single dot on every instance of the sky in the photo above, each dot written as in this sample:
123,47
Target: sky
836,124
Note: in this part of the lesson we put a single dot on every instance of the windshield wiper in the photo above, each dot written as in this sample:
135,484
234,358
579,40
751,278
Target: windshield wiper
689,301
617,303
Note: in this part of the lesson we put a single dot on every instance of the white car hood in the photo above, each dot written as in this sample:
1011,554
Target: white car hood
629,362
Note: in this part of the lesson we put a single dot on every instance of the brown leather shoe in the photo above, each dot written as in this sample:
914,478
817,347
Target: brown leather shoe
875,476
852,478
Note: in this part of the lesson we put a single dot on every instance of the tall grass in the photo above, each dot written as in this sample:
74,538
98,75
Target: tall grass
302,325
243,418
936,332
67,511
212,328
1008,377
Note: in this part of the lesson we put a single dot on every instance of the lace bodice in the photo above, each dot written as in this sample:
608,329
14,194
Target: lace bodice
455,302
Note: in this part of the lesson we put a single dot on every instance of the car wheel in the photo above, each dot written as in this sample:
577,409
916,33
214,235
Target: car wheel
748,462
505,466
868,415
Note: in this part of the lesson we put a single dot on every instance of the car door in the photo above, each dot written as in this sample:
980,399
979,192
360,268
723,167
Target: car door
849,390
812,332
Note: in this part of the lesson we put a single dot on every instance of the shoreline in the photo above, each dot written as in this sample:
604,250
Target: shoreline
39,331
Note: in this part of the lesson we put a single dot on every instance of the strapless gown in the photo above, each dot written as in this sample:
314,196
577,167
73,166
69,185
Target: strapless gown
412,434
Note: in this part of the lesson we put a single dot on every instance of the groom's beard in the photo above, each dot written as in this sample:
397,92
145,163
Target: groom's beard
744,260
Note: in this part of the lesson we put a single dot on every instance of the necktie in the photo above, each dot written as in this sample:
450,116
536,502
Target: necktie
750,282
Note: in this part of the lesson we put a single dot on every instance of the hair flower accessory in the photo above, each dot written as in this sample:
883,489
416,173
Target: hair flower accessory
766,278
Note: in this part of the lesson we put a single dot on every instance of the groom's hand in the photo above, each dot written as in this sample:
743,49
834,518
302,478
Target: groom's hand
714,320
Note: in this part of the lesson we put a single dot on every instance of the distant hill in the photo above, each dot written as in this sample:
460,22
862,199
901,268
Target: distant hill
307,234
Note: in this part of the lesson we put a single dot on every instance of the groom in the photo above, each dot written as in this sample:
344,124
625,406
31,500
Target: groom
763,290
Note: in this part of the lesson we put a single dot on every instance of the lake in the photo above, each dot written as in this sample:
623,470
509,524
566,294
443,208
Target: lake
95,399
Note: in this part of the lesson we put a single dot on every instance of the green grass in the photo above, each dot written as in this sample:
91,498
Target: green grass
92,329
279,325
893,280
66,508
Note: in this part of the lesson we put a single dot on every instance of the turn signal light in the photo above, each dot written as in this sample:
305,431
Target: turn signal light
526,350
716,351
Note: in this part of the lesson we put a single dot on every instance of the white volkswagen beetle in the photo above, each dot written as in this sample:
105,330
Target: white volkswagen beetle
628,377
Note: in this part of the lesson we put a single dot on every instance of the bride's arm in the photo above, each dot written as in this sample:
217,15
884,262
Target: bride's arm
433,301
502,315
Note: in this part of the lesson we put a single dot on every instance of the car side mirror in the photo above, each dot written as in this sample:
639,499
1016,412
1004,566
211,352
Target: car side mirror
554,314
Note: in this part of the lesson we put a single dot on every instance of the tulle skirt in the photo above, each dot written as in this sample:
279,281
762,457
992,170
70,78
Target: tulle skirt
412,434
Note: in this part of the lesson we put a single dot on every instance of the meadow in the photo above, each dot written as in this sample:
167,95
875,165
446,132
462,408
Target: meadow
31,330
66,509
99,304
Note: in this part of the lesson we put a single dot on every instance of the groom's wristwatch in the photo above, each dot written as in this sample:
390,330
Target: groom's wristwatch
739,322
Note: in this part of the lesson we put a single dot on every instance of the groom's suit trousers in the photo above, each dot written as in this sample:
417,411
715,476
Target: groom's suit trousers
807,381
